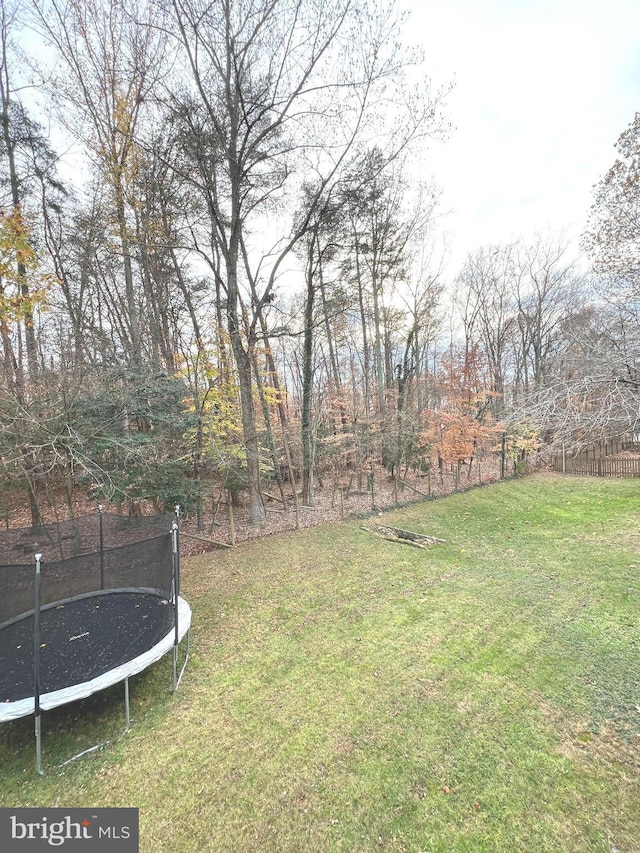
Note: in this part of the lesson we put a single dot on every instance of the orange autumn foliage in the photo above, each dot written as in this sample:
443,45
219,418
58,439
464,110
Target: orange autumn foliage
461,423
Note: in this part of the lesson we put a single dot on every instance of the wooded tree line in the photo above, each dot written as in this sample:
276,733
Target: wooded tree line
239,277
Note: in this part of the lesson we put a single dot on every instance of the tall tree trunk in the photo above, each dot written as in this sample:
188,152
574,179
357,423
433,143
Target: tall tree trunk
333,359
273,451
257,515
243,359
282,414
377,339
366,350
130,295
307,390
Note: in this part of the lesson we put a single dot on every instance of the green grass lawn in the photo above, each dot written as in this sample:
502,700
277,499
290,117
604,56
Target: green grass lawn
346,693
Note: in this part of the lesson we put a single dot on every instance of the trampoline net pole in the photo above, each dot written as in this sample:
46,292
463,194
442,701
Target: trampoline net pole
177,676
176,559
175,539
101,547
36,665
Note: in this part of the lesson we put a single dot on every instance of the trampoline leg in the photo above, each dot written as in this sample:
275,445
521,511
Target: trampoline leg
127,715
186,658
175,668
38,746
177,678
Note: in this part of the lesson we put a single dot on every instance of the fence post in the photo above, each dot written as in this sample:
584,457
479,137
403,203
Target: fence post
232,524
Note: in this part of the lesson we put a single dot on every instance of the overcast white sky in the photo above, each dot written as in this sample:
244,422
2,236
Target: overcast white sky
543,89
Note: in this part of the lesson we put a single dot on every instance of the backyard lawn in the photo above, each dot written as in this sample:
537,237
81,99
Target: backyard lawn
347,693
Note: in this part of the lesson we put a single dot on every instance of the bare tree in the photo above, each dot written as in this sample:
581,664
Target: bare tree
278,90
612,236
549,290
109,64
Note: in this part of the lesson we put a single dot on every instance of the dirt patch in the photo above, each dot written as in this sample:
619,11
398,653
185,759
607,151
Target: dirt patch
580,744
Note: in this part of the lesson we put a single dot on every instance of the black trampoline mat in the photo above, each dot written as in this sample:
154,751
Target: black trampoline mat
81,640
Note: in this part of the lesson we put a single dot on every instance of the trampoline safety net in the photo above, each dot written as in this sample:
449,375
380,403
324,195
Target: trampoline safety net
82,556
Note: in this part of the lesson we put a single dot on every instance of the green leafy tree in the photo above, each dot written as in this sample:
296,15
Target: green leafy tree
132,427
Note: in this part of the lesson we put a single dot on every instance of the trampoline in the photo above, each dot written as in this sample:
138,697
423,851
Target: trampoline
84,605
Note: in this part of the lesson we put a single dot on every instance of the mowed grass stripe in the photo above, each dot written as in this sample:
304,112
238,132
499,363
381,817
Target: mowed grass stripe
348,693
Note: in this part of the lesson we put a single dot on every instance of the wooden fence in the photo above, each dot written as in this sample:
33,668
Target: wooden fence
603,459
604,467
609,448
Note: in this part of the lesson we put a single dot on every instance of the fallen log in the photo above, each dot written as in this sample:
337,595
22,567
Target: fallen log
273,497
413,488
215,542
404,537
